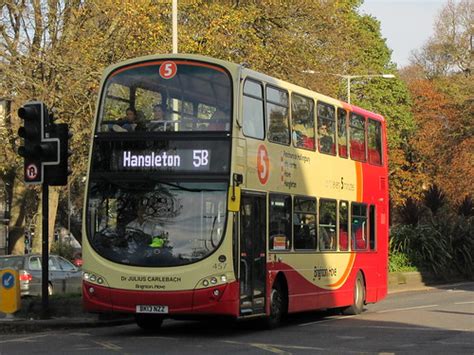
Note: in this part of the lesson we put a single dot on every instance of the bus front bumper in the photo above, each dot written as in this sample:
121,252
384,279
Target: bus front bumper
216,300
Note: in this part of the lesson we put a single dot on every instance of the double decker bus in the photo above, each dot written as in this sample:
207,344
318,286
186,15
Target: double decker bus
243,196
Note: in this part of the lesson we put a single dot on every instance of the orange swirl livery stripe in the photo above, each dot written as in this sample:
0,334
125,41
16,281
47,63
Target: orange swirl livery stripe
346,273
360,180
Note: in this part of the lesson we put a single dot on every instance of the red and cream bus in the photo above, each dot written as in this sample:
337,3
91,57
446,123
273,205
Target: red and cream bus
216,190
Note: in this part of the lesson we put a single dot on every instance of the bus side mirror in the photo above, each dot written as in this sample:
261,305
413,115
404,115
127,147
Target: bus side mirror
233,200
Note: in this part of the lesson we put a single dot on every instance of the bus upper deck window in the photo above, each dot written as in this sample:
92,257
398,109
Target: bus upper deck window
196,97
302,119
326,128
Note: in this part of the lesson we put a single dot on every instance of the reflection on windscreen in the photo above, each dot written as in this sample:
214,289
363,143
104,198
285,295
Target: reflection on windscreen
196,98
164,225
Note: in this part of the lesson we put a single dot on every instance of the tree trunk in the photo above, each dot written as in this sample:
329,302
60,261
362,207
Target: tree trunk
16,226
53,209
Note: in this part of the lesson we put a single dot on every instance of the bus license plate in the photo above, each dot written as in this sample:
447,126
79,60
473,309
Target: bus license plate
152,309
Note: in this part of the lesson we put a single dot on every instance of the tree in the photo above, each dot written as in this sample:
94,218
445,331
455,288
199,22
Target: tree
450,48
55,51
441,87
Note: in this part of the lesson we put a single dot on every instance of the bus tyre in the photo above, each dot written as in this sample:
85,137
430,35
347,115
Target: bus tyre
358,298
149,322
277,307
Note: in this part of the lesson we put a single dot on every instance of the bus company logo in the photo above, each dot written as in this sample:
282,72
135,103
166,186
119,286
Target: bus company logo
263,164
168,70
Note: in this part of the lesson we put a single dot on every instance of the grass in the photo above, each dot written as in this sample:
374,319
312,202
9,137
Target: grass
399,262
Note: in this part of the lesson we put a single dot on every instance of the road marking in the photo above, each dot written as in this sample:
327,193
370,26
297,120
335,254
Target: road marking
27,339
270,348
328,319
408,308
349,337
469,302
453,343
108,345
408,328
274,347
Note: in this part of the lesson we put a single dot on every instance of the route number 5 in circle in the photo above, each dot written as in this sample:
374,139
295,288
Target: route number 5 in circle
263,164
168,70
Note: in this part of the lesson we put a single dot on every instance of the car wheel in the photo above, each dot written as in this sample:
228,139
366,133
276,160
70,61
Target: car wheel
149,322
358,297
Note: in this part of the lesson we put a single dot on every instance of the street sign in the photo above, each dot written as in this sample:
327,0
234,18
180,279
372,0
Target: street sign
9,291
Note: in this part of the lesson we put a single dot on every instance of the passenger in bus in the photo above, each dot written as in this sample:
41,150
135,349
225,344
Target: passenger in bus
325,139
327,238
161,122
129,123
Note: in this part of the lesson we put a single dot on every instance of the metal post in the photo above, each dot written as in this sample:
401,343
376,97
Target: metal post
175,26
45,252
69,207
348,89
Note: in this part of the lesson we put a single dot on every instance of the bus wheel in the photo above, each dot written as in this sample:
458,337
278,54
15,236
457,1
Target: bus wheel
358,298
149,321
277,307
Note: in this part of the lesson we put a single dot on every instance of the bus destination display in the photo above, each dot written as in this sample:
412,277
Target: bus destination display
167,160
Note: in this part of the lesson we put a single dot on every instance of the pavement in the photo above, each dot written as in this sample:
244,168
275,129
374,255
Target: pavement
74,317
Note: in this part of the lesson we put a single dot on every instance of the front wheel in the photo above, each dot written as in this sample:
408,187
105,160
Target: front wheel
277,307
358,297
149,322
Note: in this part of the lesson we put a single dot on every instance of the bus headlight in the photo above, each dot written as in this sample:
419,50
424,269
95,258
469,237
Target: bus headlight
212,281
94,278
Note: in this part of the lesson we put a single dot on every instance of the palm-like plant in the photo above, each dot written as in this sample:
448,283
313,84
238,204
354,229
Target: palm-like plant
434,199
411,212
466,207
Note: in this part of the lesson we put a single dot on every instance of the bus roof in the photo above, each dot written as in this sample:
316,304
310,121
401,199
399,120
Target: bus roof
245,72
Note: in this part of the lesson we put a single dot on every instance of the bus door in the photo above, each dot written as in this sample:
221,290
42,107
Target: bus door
252,253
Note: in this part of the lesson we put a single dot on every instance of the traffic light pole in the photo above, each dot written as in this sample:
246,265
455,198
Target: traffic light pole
45,252
45,151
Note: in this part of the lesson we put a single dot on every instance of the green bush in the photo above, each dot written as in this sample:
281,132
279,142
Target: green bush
423,247
441,241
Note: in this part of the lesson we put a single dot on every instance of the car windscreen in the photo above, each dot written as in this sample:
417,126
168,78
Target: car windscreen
13,262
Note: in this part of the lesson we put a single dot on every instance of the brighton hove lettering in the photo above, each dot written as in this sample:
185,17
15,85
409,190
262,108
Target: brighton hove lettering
150,160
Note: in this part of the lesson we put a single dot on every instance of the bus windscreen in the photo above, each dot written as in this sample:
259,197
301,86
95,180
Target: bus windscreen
156,224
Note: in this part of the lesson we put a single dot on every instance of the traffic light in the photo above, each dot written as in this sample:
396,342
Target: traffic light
56,175
38,148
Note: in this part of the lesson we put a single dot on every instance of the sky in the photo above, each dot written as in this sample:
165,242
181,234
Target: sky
406,24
